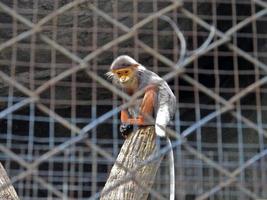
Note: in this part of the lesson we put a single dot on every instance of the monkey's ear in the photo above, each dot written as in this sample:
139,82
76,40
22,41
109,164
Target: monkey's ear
109,75
135,65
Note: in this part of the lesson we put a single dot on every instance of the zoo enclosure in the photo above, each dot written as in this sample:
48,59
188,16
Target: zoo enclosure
53,57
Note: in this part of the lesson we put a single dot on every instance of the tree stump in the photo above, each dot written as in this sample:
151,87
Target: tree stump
8,192
138,147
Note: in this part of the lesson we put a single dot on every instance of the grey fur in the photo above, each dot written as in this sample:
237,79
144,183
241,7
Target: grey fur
165,95
146,77
122,61
165,105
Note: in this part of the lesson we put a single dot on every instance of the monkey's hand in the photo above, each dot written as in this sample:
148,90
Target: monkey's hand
126,129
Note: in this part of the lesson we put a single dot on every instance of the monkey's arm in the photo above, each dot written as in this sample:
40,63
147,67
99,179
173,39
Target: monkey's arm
146,109
124,116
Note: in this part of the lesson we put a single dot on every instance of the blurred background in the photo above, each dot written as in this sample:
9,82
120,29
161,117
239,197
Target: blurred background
50,90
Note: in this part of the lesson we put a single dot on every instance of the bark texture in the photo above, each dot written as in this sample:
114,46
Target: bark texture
8,192
137,148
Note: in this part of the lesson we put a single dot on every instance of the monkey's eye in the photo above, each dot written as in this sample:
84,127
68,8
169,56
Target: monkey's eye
126,72
119,73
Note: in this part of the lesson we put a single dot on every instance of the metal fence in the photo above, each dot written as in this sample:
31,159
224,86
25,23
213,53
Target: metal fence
59,116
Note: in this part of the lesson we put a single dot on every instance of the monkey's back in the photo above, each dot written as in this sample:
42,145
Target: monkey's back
165,96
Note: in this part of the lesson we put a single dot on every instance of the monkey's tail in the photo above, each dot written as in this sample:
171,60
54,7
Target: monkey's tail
172,170
162,119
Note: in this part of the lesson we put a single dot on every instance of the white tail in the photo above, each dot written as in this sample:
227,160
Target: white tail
172,171
162,119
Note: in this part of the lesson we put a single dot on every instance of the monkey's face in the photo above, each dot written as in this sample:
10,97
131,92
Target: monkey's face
125,75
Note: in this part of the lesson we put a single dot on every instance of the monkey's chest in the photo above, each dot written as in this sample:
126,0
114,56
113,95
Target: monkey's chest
134,110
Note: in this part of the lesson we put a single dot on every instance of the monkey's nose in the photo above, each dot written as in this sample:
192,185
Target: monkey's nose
123,79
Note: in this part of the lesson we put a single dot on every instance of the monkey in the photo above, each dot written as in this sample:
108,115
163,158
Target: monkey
158,101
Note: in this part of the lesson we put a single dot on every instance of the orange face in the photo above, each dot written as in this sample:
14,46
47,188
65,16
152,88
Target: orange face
125,74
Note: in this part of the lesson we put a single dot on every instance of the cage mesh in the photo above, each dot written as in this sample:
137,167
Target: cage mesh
53,58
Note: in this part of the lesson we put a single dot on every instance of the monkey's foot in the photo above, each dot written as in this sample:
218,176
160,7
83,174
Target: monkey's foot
126,129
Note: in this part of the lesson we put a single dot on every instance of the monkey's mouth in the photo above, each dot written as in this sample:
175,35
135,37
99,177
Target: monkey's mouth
124,80
128,82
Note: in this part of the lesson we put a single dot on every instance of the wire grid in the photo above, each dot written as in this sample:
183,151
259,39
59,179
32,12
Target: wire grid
53,56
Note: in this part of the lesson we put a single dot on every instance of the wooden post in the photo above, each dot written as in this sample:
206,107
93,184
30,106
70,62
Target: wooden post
8,192
138,147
